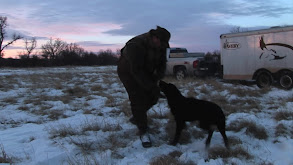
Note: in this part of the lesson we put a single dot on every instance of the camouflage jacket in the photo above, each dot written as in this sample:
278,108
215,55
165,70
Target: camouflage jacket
147,64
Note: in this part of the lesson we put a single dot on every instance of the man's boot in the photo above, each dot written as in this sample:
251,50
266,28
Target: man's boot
145,140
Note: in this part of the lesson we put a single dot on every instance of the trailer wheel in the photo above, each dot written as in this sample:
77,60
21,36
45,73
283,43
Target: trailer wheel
180,73
264,79
286,80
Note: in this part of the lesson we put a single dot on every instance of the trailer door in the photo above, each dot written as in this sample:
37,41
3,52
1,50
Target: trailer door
238,58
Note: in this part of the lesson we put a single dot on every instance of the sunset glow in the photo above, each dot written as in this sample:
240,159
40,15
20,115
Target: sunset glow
101,25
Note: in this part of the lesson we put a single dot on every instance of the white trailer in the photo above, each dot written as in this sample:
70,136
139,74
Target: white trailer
261,55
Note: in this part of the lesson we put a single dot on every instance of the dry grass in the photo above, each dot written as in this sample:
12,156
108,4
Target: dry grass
257,131
10,100
4,157
40,99
116,141
24,108
187,134
107,127
246,105
283,115
221,152
216,85
97,88
61,131
113,142
56,114
252,128
97,125
170,128
159,114
281,130
92,125
125,108
192,93
239,92
198,134
233,141
164,160
111,102
175,154
76,91
8,83
84,144
204,90
76,86
84,159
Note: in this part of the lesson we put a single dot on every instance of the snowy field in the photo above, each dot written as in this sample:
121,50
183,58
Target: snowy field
79,115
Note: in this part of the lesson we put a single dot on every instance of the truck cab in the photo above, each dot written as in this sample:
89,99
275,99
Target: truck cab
180,63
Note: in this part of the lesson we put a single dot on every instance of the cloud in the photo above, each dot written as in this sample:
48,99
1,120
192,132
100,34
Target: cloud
260,8
11,47
193,24
93,43
136,17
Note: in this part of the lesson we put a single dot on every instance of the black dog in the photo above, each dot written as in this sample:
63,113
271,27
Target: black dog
190,109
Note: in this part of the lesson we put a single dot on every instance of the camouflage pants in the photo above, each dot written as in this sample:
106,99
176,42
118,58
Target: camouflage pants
140,99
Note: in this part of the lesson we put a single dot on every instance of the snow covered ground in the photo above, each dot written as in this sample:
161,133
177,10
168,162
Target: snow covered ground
79,115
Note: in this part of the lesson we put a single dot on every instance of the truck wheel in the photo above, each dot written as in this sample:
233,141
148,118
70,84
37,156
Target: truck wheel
180,74
286,80
264,80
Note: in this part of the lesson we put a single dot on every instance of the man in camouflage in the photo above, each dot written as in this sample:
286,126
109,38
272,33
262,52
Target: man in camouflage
141,65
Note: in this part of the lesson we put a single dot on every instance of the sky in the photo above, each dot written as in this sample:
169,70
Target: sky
108,24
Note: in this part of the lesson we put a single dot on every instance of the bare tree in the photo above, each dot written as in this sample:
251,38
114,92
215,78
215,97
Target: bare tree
73,47
3,35
238,29
118,52
53,48
30,45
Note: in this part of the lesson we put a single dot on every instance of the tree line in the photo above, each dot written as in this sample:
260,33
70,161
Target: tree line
65,58
59,53
54,53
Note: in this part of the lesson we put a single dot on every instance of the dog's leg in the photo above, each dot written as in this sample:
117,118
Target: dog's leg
223,133
179,127
208,141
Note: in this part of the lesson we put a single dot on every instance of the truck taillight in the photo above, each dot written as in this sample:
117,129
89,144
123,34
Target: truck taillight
195,63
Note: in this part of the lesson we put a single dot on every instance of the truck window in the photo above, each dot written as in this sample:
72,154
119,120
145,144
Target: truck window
178,50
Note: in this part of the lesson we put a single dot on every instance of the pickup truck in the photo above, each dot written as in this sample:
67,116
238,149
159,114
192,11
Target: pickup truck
180,63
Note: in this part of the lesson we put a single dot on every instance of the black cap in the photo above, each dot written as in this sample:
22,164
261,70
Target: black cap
163,34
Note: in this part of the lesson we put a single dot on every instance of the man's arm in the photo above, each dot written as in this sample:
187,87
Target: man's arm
136,56
161,68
